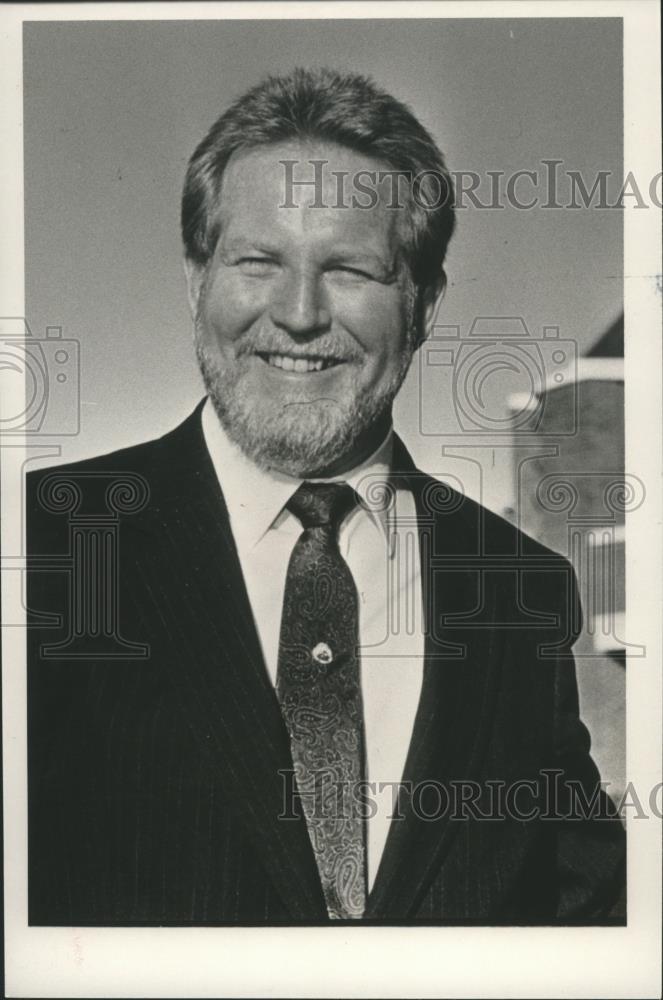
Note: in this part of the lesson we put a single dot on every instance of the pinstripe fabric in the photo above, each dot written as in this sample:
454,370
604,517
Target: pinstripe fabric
154,792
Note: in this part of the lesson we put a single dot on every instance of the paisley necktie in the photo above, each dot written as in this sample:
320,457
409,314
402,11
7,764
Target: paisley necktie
318,687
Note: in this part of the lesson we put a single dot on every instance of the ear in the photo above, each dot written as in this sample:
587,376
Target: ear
429,308
194,275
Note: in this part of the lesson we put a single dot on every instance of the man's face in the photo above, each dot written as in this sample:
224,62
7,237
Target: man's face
303,315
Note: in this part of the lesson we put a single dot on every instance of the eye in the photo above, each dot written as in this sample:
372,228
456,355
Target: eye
256,265
352,272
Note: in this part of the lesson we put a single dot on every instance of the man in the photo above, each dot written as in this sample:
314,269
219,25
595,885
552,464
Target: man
247,631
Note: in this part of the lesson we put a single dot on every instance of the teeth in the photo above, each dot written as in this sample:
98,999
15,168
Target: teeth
289,364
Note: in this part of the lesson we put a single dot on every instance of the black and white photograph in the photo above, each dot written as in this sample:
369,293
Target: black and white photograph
330,440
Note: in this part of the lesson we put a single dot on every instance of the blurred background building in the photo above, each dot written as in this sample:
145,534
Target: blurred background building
571,493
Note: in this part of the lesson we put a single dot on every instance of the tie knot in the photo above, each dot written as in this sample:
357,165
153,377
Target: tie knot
321,505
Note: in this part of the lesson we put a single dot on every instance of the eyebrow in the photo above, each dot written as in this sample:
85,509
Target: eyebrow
244,245
352,253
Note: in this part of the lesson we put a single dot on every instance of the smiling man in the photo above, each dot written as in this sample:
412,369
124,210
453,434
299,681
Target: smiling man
276,673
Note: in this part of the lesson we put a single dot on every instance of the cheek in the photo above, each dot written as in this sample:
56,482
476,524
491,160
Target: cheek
379,325
229,309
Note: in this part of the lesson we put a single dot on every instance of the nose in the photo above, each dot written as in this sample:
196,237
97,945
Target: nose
299,304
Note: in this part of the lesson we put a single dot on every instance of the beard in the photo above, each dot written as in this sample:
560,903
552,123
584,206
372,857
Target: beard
297,437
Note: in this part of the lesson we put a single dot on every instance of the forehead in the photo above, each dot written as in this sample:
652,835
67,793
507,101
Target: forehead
278,191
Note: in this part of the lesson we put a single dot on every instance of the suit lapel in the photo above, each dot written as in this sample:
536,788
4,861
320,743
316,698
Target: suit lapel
188,585
459,685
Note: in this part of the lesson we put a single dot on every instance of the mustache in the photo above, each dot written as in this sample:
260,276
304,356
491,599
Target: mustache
325,347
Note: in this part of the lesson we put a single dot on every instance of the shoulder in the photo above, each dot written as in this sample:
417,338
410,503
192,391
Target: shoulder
135,458
466,525
83,485
464,536
503,536
461,524
123,481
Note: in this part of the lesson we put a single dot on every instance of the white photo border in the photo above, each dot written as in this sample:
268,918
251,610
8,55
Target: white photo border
368,961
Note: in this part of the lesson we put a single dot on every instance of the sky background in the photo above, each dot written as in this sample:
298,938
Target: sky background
113,111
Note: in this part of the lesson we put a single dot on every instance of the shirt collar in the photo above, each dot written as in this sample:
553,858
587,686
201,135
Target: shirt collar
256,497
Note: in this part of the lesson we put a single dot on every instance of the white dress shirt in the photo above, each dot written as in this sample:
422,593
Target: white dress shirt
381,548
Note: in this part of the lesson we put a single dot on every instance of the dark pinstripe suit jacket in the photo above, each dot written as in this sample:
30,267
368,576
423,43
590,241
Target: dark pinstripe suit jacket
154,786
